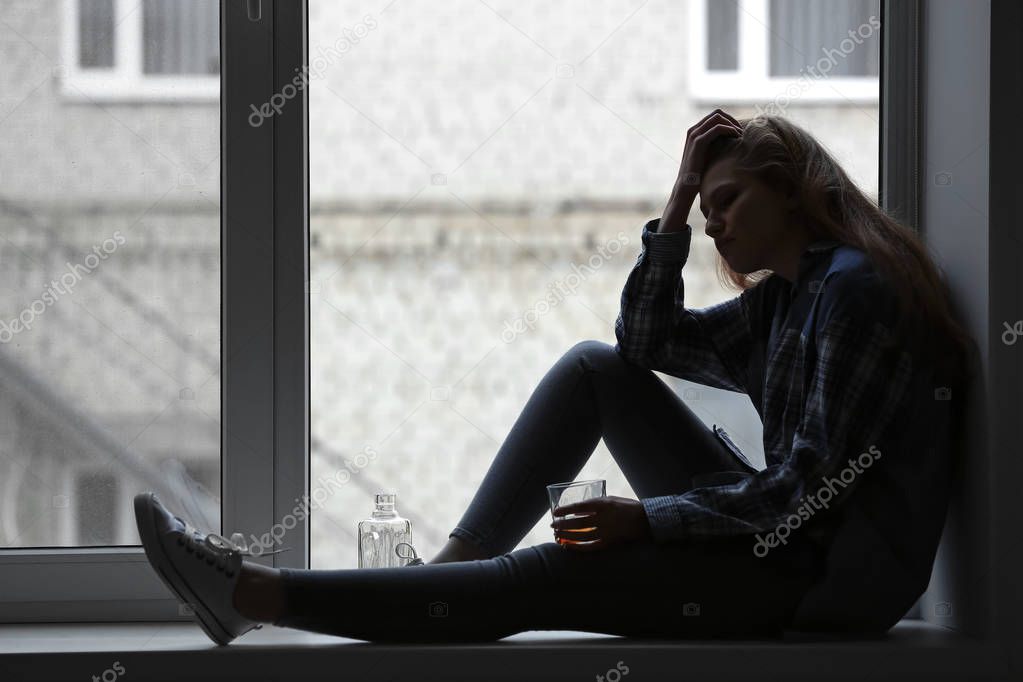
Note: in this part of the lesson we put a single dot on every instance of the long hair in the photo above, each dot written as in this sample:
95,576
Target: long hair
789,159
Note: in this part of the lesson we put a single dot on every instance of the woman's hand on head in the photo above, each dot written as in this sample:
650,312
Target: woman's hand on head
609,521
694,160
698,139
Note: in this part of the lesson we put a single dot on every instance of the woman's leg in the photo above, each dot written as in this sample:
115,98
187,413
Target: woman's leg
713,587
707,588
589,393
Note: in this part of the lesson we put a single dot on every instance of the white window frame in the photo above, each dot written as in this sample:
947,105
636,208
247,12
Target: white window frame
750,83
125,81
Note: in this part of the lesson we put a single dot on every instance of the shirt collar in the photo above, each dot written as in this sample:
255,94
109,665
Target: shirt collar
810,256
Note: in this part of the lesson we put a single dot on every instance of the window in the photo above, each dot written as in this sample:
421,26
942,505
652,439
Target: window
67,166
110,339
148,50
777,51
459,252
122,362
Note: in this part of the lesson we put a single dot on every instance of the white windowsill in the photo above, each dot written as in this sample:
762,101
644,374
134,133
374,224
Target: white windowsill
912,650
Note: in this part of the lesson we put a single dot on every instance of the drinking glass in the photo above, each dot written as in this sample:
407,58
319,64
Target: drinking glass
562,494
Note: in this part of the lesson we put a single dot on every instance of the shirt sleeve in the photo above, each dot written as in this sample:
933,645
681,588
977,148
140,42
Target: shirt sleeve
710,346
856,389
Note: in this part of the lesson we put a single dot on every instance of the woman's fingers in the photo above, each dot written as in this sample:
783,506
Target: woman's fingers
715,123
720,129
721,113
575,522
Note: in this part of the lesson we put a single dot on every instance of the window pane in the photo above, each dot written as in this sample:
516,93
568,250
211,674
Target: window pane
96,33
181,36
805,31
109,301
722,36
474,176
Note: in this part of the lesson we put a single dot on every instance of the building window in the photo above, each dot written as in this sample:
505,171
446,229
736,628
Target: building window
770,51
149,50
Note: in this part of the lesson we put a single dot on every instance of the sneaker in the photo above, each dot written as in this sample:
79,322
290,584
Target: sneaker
201,570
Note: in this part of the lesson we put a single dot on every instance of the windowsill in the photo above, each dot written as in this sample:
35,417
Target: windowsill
175,90
912,650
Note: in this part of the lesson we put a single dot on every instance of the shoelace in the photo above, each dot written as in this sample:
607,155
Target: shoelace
214,548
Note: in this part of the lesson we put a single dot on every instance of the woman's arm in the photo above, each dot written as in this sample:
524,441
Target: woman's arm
654,328
856,391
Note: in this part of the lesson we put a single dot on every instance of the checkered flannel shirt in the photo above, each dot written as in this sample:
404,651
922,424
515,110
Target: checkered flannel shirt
806,352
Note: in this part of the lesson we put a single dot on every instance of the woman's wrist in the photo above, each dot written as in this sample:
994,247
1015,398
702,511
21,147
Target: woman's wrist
676,212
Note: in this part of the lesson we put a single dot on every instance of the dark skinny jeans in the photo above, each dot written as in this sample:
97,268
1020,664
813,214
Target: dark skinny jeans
695,588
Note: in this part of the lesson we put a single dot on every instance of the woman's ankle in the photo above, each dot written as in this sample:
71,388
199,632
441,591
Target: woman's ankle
458,549
259,593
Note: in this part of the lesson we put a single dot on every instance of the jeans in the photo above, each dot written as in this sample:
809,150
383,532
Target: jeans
701,587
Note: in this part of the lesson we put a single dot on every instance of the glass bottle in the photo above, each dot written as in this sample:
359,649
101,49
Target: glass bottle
380,534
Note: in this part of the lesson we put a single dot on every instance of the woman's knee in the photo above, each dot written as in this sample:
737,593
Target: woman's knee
593,351
598,356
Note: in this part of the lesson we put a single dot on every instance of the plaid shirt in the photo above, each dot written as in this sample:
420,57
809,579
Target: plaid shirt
806,352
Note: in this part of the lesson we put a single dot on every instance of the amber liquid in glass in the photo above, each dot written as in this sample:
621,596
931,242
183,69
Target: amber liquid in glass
565,541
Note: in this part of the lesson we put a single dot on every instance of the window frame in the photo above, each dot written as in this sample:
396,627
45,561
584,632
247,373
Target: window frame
125,81
750,83
264,348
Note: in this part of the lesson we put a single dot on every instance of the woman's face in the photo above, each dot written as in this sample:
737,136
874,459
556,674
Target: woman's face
749,221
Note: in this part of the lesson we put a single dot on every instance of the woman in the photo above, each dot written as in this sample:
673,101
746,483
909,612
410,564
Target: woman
843,338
